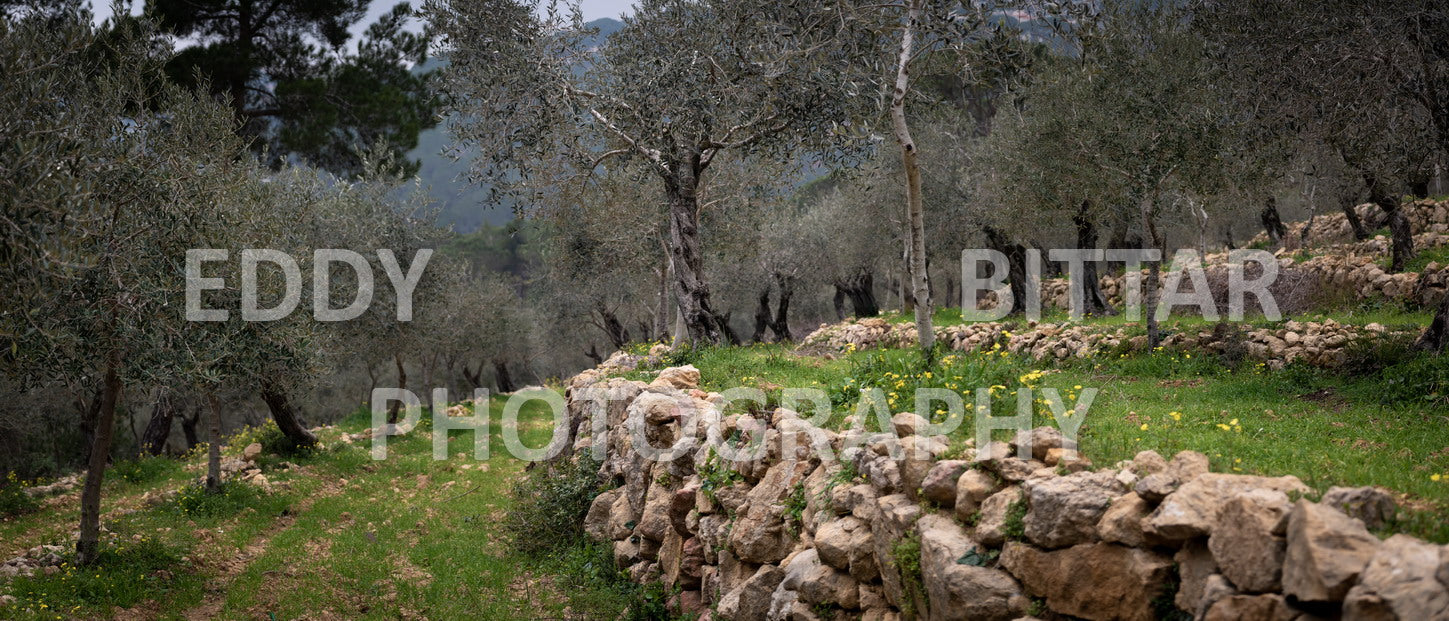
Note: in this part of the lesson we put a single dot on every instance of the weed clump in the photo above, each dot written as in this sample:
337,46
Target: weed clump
549,505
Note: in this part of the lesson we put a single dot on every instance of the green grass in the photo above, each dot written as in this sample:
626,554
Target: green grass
404,536
1422,258
1385,423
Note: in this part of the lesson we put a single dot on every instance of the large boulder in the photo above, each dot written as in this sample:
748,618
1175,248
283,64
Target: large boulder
958,591
1122,521
820,584
1097,581
683,378
596,522
1407,579
751,599
1267,607
1192,509
1064,511
760,534
1247,541
1195,568
1326,552
847,544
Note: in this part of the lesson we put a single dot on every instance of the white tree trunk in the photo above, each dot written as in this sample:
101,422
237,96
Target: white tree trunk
915,216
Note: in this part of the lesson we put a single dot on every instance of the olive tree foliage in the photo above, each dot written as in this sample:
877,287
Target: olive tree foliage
1369,80
682,83
1139,119
605,255
111,176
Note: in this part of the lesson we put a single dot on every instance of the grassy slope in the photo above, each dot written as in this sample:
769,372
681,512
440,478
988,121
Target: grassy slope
387,543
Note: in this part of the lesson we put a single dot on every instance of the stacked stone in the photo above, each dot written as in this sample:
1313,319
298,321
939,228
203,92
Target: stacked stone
889,525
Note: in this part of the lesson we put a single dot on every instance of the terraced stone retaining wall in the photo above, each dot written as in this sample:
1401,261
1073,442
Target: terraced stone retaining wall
824,524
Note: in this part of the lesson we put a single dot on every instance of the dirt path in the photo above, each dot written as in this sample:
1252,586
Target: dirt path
228,569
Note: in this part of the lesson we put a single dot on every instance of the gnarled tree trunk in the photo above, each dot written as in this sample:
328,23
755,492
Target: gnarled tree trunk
781,323
1094,303
503,377
1016,265
213,455
395,407
1273,222
286,417
690,289
1154,271
158,430
1403,235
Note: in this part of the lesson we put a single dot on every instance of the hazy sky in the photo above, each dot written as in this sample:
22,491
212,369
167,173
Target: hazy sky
593,9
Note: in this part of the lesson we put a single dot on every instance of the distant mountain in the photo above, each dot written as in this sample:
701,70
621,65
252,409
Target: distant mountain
465,206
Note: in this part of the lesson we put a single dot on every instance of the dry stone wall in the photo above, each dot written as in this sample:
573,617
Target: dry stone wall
858,525
1324,344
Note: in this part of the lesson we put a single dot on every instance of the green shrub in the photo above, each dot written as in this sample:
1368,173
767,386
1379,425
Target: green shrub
230,498
549,505
145,469
13,499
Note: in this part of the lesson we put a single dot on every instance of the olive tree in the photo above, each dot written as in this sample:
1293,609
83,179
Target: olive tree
679,85
112,177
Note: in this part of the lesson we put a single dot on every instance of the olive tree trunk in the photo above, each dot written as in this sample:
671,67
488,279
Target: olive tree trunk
158,430
691,291
87,547
1273,222
395,407
1154,271
213,453
1094,303
287,417
915,211
1402,234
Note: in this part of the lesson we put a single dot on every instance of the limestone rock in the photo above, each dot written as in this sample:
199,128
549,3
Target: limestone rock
939,486
1247,542
751,599
252,452
990,526
896,516
1373,505
596,522
847,544
818,583
683,378
1326,552
1191,510
1148,462
973,487
908,424
1155,487
1122,522
759,534
1038,442
1064,511
1400,582
1195,567
1267,607
1093,581
957,591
